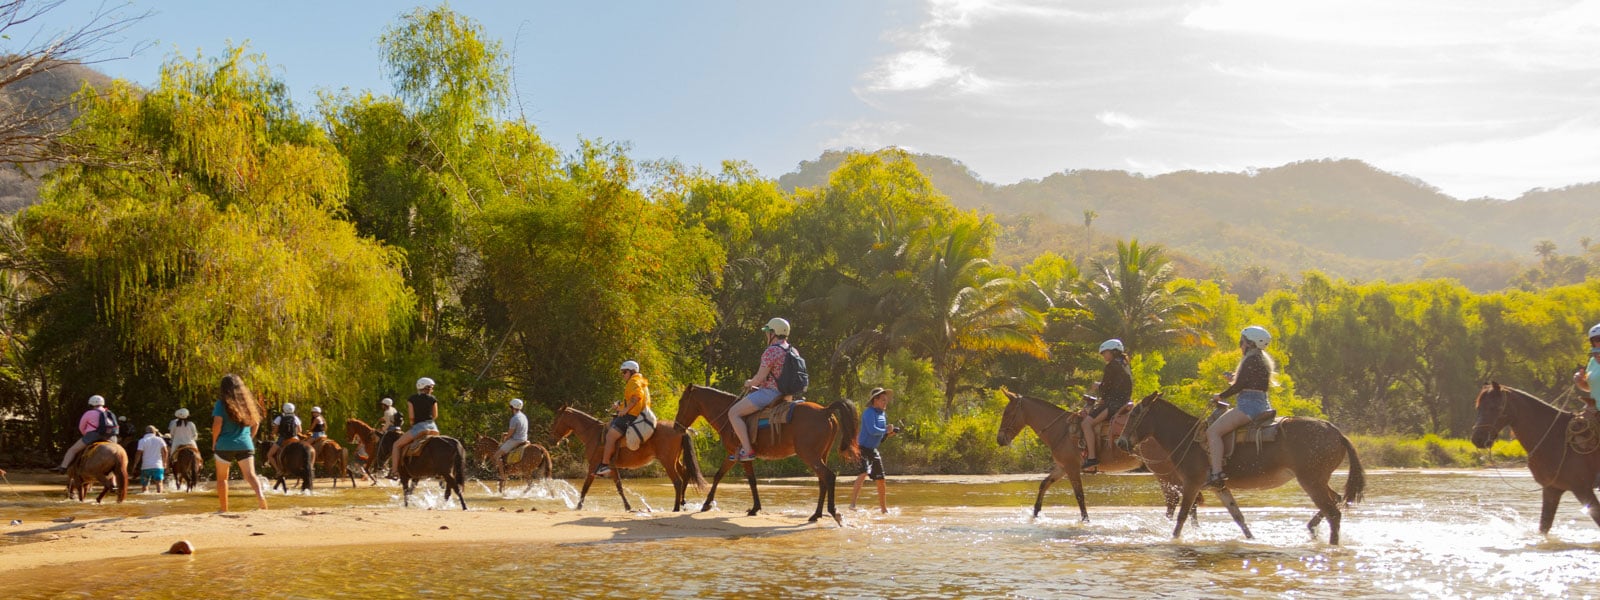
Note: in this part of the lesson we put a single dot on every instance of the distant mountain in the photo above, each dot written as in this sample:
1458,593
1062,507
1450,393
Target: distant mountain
43,90
1343,217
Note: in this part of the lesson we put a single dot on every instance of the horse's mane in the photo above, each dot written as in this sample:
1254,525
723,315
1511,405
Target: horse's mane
580,413
693,387
363,424
1506,388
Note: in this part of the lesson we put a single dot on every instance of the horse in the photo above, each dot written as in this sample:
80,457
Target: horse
1059,429
534,458
104,462
808,434
1307,450
376,446
186,466
330,457
672,445
441,457
299,460
1556,466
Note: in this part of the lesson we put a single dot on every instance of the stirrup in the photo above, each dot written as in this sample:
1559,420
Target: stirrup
1217,480
1092,463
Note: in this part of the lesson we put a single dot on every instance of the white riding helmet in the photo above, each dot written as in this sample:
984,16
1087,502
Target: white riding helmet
516,403
1594,332
777,326
288,408
1112,344
387,402
96,400
316,409
1257,335
630,366
424,383
183,413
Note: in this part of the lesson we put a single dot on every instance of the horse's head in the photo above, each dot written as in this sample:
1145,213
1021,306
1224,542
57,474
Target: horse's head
1494,414
563,425
688,407
1138,427
1011,421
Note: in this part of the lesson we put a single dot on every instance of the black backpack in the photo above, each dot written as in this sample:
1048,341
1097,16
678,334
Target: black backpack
794,378
107,428
286,428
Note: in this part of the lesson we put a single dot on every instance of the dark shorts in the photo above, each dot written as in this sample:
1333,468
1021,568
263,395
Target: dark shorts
233,456
621,422
1107,407
872,464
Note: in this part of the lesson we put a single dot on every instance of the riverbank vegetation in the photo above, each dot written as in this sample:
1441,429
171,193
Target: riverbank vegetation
333,254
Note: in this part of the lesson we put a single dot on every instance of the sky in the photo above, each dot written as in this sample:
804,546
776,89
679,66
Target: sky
1480,98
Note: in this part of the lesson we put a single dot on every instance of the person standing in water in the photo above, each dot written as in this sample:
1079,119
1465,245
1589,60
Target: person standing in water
875,428
233,422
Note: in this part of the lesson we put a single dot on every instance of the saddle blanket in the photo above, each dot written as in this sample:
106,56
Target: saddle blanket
414,449
641,429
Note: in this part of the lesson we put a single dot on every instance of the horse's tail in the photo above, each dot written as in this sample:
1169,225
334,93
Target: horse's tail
850,422
546,466
1356,484
309,473
122,478
690,460
458,470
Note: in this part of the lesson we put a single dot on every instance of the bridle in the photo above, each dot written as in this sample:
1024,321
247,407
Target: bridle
1135,416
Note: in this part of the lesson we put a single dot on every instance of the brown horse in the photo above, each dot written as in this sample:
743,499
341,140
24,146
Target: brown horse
1060,431
440,457
808,434
1555,465
186,466
671,445
297,459
1307,450
330,457
373,444
104,462
534,457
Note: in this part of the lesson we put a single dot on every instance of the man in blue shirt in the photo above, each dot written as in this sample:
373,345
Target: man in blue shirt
874,428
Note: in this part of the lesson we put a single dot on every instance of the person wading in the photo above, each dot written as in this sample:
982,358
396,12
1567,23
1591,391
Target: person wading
233,422
635,399
422,409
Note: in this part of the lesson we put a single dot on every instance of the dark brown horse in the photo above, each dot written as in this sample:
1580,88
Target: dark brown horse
671,445
1307,450
297,459
186,467
534,457
373,444
331,459
1555,465
441,457
1059,430
808,434
104,462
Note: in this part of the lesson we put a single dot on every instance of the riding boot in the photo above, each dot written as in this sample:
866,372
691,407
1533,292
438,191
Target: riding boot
1217,480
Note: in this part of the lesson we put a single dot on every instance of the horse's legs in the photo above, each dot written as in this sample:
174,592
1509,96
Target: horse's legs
588,480
1587,497
1191,491
500,471
750,475
822,473
616,475
1226,496
712,495
1056,471
1327,502
680,482
1547,512
1075,477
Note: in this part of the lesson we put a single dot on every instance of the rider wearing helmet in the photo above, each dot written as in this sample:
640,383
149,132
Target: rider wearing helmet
423,408
516,431
1585,377
184,432
1255,373
391,417
763,386
287,426
635,399
319,425
89,429
1116,391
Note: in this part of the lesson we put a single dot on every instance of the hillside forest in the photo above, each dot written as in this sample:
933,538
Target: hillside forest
333,254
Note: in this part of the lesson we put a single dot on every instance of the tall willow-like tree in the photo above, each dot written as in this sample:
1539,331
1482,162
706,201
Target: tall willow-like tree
202,239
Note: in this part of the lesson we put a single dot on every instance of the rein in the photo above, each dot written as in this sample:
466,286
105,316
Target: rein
1505,406
1188,441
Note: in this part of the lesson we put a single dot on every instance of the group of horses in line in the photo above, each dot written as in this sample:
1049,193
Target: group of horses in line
1154,434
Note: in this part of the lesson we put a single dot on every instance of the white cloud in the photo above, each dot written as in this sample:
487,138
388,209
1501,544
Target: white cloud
1119,120
862,134
1507,167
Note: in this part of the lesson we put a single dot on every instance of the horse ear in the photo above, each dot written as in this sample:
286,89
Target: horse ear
1495,385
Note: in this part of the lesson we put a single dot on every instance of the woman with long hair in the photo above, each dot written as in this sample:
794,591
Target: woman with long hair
233,423
1255,374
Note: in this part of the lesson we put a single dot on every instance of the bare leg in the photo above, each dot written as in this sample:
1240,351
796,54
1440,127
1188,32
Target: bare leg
222,485
612,435
856,492
736,415
394,455
883,501
72,453
247,470
1229,421
1091,442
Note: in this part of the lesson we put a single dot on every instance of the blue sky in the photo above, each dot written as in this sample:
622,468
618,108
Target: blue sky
1477,97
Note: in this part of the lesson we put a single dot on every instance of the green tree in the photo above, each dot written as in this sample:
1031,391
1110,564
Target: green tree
1139,300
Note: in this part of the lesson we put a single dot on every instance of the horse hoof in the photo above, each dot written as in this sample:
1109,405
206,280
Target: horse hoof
813,518
751,513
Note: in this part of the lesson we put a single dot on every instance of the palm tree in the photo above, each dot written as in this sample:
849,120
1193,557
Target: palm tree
1138,300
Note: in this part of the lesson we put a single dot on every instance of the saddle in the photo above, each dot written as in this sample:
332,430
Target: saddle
1583,432
773,417
1261,430
1108,430
640,430
414,449
515,455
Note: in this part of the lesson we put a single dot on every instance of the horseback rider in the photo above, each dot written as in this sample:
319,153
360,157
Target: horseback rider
635,399
423,409
319,425
516,431
184,432
1583,378
287,426
92,429
1116,391
1256,372
390,419
763,386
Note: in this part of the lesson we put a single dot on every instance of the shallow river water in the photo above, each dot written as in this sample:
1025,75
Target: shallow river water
1418,535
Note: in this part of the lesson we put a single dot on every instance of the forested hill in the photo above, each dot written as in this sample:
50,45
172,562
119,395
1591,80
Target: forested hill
18,188
1344,217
